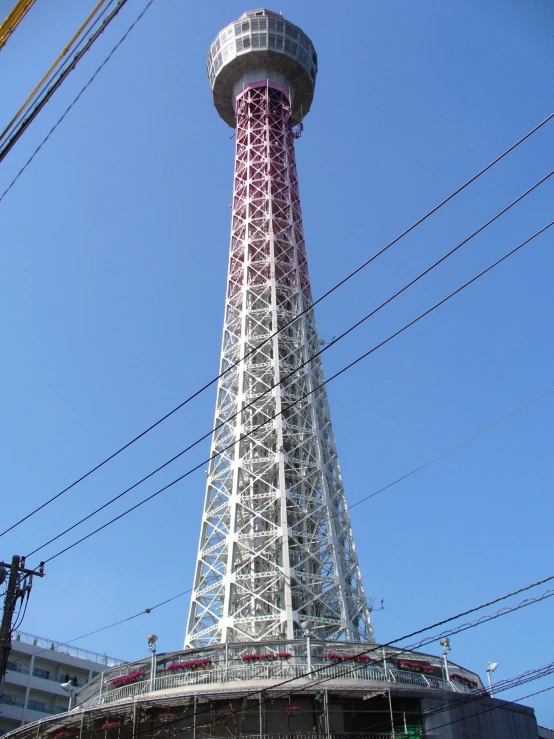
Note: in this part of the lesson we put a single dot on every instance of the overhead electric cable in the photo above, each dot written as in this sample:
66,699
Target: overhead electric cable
26,122
115,623
314,389
487,710
73,41
422,642
296,369
286,325
376,648
452,448
468,698
13,19
78,96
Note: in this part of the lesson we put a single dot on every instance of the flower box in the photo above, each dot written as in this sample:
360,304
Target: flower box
292,709
191,664
468,682
266,657
335,657
133,677
414,666
110,725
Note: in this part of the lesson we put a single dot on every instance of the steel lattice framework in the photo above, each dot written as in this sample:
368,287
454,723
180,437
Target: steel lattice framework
276,544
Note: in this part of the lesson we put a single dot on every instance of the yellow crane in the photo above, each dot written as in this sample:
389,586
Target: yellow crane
13,19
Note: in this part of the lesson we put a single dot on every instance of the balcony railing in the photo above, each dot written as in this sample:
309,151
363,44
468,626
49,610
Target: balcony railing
12,700
15,667
273,660
269,671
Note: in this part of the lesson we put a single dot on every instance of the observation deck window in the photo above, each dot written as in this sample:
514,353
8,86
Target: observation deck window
259,39
290,46
276,25
275,42
258,24
291,31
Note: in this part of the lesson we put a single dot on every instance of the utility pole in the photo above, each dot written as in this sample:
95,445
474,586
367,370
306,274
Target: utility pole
20,582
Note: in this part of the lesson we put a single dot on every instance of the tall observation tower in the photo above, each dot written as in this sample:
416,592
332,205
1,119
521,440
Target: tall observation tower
276,546
279,640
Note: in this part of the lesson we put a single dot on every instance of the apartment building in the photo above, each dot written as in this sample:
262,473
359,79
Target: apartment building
36,668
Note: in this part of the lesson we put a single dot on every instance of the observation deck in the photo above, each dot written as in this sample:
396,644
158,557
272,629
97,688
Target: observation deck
261,46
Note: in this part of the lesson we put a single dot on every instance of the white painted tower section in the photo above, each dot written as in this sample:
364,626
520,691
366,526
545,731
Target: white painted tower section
276,545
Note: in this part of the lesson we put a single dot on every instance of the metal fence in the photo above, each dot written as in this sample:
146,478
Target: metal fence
39,641
270,671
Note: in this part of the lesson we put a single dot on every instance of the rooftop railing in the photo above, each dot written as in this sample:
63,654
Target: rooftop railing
56,646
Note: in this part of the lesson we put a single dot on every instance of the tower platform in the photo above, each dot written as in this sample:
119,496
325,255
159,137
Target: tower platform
277,689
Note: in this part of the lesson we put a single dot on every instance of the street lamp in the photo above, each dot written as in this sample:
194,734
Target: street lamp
445,644
490,669
152,639
307,627
71,689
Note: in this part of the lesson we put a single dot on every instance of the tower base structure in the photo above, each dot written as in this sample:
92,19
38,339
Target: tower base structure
300,689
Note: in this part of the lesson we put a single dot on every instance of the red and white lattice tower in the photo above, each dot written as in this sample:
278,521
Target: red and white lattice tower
276,546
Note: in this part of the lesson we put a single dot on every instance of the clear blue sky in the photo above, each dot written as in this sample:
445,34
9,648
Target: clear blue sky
114,255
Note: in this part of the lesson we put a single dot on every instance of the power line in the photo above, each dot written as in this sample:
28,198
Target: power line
46,86
70,106
453,703
116,623
303,364
286,325
453,448
374,648
315,389
429,639
491,708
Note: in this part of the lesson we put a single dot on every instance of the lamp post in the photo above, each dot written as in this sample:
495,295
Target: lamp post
152,639
69,688
490,669
445,644
307,627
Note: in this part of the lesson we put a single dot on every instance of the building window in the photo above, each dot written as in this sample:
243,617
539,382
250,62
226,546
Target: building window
44,674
